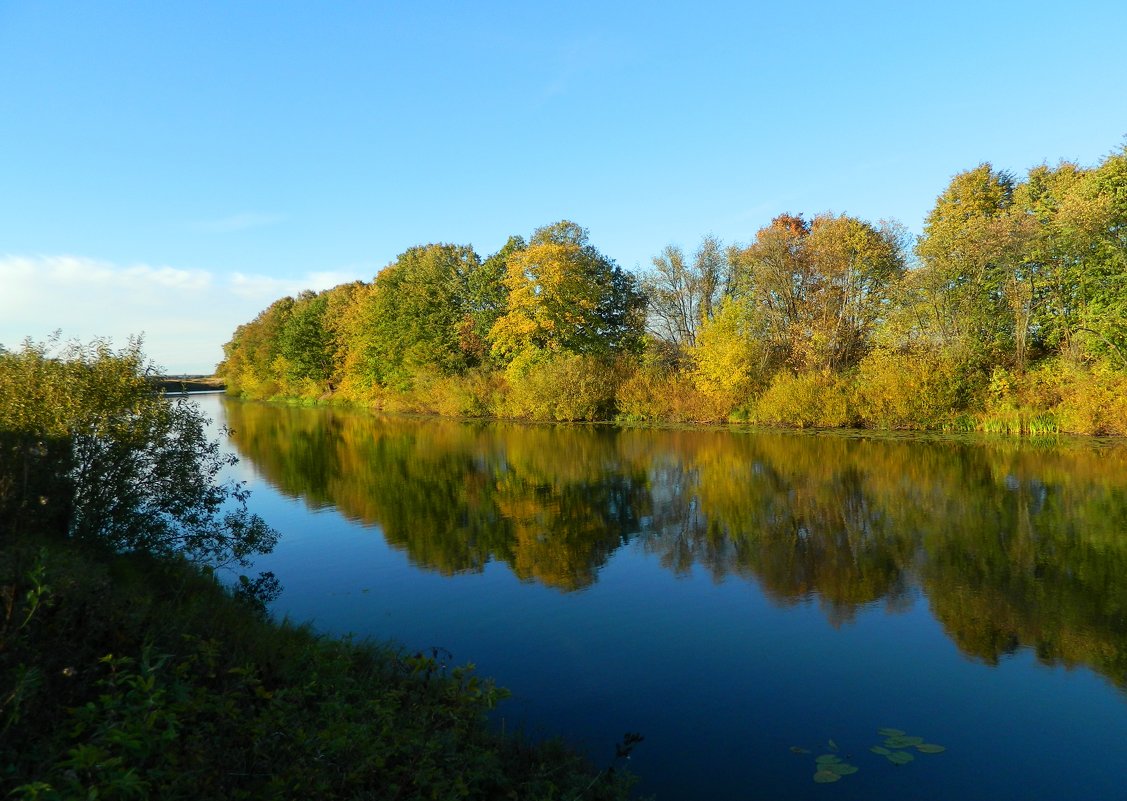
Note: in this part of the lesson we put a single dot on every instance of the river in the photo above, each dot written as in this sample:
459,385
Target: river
749,602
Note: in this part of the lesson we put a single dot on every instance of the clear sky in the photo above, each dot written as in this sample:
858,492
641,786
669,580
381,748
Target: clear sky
172,168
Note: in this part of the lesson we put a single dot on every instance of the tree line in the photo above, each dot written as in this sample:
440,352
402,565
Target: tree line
1009,313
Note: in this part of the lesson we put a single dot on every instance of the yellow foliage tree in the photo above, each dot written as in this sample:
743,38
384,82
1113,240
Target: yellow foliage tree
730,361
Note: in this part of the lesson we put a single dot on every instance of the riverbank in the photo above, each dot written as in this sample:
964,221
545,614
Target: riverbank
1058,397
129,676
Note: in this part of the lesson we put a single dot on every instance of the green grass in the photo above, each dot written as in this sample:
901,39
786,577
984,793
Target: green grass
124,676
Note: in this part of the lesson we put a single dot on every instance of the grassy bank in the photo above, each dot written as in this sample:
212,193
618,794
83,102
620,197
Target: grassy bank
126,676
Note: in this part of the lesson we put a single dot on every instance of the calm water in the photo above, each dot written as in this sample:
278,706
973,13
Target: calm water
730,595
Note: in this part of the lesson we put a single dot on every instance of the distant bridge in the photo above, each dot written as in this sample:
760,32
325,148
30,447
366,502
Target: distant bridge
190,383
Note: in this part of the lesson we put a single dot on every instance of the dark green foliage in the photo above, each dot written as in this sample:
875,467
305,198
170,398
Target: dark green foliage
305,341
132,677
422,314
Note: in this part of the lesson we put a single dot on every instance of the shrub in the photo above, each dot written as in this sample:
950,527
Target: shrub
655,394
819,399
92,446
1090,399
918,389
559,386
471,394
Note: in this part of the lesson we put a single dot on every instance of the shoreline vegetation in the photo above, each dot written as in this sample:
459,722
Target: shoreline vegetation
129,670
1008,315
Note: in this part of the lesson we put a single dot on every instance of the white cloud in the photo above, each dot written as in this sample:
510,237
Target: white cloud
269,288
185,316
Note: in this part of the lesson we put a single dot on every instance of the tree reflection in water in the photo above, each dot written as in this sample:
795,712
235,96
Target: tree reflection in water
1014,543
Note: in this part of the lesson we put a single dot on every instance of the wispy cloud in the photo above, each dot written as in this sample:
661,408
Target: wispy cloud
184,315
266,286
238,222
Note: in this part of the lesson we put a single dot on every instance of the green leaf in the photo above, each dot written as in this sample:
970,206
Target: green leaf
841,768
827,759
899,757
931,748
826,776
898,742
879,749
890,732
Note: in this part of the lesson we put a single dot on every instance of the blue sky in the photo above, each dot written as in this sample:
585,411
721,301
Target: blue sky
172,168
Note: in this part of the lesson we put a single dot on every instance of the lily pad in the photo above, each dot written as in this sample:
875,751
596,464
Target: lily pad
841,768
798,749
825,777
912,740
890,732
880,749
931,748
899,757
827,759
900,741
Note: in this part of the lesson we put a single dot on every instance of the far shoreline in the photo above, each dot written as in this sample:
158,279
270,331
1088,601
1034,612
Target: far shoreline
191,383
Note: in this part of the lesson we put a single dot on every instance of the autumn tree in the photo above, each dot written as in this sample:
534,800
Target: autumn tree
818,288
564,295
486,297
250,357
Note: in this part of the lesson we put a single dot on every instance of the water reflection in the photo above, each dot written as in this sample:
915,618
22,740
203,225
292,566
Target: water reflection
1012,543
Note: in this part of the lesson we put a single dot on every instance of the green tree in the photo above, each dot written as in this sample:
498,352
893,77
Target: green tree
413,317
1049,272
1093,222
972,249
305,342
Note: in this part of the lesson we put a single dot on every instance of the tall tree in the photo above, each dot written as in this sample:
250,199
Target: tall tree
486,298
411,316
249,358
855,266
1093,221
304,342
680,296
564,295
970,248
819,288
